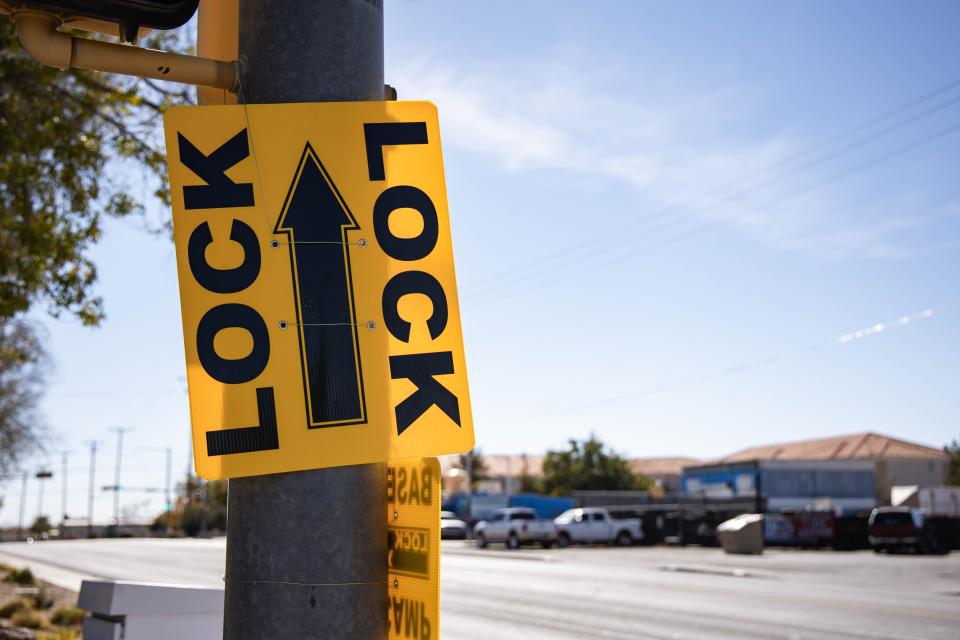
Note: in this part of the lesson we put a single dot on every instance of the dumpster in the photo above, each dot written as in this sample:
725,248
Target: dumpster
742,534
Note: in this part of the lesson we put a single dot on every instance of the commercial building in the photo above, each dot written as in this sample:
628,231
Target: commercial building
504,473
665,473
842,473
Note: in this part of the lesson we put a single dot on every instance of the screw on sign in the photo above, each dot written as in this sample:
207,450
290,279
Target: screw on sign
413,548
320,312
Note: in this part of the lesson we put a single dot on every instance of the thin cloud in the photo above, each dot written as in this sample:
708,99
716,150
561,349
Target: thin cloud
672,153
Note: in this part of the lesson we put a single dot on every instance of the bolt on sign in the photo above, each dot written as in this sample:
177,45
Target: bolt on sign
413,549
320,315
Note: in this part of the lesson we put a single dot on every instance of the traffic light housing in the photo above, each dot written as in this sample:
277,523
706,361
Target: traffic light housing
130,15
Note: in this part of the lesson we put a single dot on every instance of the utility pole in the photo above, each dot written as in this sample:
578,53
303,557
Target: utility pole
469,471
93,468
116,478
307,551
167,497
40,483
167,485
204,507
23,505
63,500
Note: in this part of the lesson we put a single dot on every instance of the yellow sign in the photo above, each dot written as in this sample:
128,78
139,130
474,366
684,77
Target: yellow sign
413,549
320,314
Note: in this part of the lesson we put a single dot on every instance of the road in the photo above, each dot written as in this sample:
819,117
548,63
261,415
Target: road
642,592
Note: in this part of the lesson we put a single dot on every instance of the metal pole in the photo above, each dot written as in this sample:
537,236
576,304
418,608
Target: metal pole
469,471
93,467
116,478
204,507
23,505
306,551
40,484
63,499
167,505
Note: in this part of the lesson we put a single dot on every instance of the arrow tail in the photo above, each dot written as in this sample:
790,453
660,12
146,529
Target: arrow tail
316,220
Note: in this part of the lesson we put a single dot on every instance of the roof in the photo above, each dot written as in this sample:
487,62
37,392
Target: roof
500,466
661,466
856,446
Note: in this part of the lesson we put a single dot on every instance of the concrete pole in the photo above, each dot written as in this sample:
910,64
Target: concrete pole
63,498
23,505
306,551
39,496
116,478
90,495
469,471
167,495
204,507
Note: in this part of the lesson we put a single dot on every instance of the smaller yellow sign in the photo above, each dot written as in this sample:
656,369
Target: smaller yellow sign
413,548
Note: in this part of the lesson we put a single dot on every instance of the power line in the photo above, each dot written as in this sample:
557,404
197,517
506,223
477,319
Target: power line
615,237
537,279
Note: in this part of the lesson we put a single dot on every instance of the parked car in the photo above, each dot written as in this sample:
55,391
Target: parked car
515,526
901,528
595,525
452,527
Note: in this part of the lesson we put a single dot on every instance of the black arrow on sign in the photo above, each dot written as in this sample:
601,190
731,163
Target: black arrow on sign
315,220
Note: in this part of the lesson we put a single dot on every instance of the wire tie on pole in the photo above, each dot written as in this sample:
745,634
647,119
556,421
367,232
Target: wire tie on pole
303,584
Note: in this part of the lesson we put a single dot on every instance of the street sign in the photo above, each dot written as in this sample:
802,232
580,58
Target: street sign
320,314
413,549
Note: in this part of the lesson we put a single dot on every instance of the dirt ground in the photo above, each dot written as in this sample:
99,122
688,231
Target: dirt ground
49,598
61,597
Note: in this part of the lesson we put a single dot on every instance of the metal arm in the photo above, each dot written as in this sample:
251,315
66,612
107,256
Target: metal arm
38,33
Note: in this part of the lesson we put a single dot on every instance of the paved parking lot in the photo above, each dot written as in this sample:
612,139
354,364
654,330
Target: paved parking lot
600,592
662,592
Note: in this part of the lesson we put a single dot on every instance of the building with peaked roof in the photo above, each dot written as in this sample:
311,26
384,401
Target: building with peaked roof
872,446
504,471
664,472
847,472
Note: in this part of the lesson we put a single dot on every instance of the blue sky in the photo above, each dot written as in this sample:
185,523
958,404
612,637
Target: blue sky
670,221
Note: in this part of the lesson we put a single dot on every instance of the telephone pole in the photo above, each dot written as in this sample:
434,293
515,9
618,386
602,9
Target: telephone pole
306,551
40,484
23,505
168,482
167,495
63,500
116,478
92,493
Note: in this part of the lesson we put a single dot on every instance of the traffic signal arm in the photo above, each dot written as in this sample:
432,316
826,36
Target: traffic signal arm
38,33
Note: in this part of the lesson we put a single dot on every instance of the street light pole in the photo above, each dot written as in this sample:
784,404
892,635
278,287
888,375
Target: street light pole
63,499
40,484
167,485
167,497
92,491
116,478
306,551
23,505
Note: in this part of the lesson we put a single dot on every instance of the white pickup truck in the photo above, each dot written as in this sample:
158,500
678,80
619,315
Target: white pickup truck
515,526
594,525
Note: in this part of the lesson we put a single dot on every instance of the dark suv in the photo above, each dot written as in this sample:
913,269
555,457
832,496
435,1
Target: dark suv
901,528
